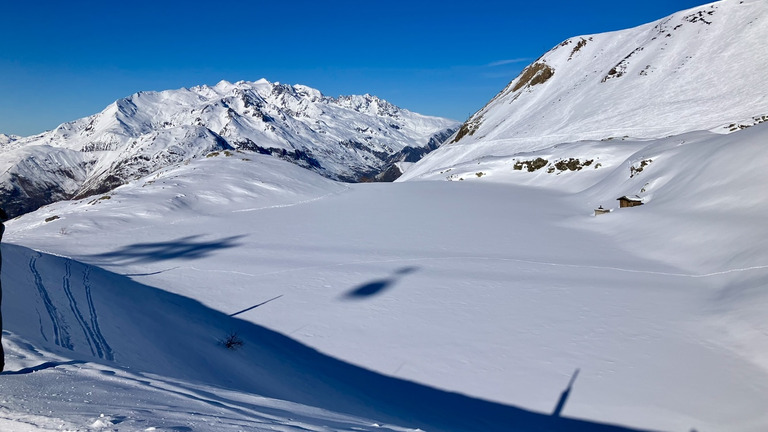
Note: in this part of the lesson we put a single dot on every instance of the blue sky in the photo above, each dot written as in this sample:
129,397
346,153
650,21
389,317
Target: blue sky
62,60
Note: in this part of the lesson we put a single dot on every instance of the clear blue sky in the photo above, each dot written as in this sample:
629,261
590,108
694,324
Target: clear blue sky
62,60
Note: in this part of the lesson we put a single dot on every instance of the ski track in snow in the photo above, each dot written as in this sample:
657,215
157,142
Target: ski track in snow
99,339
95,350
94,337
482,258
42,329
60,330
89,326
199,396
346,188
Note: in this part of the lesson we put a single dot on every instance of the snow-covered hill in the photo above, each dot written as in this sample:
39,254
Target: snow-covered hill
694,70
349,138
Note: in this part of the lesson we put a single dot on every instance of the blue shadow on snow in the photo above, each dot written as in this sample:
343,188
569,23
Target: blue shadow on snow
378,286
187,248
182,336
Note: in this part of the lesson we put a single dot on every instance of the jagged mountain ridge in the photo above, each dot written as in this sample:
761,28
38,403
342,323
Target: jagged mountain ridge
349,138
693,70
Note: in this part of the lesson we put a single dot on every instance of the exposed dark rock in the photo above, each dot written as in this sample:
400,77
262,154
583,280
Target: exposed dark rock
531,165
537,73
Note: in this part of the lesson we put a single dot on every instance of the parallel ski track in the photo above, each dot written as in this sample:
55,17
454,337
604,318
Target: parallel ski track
61,335
89,337
89,325
99,338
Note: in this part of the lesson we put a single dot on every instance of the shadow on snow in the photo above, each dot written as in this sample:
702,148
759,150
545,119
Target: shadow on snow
187,248
378,286
41,367
161,333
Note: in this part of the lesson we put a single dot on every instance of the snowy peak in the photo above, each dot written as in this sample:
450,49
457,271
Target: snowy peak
7,139
349,138
689,71
368,104
693,70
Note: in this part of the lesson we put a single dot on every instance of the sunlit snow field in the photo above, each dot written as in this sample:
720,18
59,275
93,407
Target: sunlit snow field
463,305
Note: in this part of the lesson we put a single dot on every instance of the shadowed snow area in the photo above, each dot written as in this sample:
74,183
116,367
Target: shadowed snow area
179,358
443,306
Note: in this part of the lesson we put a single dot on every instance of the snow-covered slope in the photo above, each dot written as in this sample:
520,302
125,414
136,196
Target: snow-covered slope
694,70
347,138
380,305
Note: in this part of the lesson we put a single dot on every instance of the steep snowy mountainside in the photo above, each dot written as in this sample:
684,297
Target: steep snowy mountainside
693,70
350,138
32,176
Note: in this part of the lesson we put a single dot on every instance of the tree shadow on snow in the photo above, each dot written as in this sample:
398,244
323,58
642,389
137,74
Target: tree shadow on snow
156,332
187,248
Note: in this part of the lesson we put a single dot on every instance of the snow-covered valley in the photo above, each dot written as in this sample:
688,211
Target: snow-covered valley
433,305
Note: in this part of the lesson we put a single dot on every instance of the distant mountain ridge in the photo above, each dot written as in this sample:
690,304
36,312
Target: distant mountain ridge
6,139
693,70
349,138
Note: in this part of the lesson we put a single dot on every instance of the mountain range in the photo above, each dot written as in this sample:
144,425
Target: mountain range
349,138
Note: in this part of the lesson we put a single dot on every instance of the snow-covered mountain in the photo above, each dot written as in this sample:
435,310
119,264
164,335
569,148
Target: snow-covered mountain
7,139
350,138
693,70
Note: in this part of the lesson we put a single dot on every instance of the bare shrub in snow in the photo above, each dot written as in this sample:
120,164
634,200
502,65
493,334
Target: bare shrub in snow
232,341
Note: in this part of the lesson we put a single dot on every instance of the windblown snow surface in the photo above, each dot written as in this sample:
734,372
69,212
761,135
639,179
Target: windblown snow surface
440,306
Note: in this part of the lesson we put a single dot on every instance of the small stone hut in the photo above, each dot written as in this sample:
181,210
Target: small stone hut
601,211
627,201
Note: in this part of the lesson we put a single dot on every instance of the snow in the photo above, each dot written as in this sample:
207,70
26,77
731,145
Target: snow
496,288
7,139
467,302
689,71
345,138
